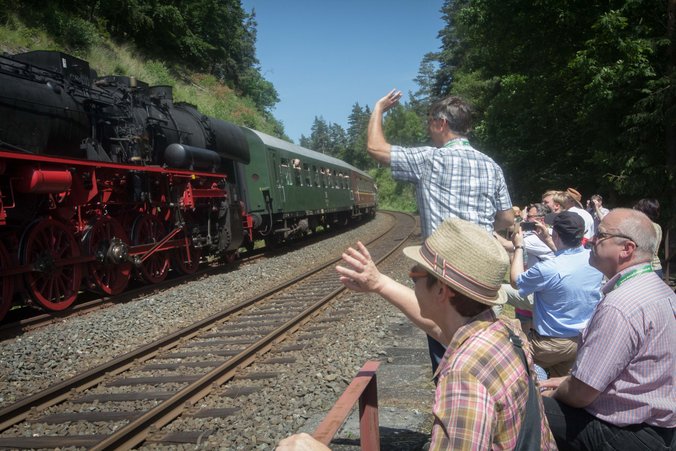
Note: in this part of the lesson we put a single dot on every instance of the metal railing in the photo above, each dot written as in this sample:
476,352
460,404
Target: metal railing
363,388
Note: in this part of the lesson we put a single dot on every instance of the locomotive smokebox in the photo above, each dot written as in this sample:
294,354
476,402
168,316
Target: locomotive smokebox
230,140
190,157
198,130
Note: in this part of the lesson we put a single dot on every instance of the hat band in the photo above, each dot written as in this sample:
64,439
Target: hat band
442,267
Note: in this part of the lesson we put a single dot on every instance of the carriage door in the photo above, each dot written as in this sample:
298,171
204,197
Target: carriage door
280,171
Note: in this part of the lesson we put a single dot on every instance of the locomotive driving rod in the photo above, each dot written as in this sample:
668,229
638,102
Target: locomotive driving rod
158,246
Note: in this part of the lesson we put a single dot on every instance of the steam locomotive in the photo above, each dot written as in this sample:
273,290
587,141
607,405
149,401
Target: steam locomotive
107,178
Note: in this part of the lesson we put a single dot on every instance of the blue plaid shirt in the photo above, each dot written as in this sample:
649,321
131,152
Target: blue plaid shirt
454,181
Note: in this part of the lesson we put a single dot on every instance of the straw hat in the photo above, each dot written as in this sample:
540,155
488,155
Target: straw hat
575,194
467,258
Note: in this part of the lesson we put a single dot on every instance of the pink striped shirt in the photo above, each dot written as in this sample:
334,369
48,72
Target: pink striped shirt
627,352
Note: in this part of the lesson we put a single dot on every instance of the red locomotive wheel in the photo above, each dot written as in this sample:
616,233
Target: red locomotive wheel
186,259
6,283
108,242
54,283
149,229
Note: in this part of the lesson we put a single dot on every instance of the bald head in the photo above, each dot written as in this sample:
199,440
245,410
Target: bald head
637,226
624,238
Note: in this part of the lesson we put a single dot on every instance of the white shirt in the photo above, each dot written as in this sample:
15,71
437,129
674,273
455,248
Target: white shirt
536,249
588,221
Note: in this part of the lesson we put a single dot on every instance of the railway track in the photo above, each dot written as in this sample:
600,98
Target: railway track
131,398
28,318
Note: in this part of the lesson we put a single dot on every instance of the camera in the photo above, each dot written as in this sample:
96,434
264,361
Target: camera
527,226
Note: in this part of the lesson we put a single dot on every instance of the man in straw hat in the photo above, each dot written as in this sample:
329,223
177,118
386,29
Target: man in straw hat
483,383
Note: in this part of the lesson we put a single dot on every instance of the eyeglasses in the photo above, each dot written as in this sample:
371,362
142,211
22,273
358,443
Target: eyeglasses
601,236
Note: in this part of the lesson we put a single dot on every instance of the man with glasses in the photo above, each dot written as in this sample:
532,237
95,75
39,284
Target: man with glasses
452,179
535,249
620,393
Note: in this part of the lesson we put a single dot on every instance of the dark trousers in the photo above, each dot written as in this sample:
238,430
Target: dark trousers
437,351
576,429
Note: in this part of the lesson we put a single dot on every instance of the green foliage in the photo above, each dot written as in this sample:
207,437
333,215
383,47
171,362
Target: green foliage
214,36
355,150
402,126
393,195
211,96
67,29
573,93
159,73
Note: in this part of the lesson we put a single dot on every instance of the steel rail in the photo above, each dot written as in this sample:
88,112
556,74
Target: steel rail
136,431
19,411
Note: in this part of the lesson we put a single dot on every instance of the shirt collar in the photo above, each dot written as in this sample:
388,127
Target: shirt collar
610,285
570,250
454,141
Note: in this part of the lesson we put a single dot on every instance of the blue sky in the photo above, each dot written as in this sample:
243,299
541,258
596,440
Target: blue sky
322,56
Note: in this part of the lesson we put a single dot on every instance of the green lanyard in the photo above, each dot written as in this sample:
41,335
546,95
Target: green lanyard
633,273
463,141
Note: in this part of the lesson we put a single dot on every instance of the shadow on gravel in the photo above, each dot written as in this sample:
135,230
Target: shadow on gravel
390,440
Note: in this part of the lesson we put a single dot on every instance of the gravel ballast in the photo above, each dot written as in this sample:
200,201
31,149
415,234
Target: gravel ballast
299,396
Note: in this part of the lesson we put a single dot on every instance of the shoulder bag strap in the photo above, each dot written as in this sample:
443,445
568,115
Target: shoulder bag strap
531,426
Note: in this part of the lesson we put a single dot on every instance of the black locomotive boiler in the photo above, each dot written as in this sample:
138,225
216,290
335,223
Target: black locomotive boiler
105,178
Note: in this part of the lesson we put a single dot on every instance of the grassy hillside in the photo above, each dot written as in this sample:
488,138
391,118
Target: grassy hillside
108,58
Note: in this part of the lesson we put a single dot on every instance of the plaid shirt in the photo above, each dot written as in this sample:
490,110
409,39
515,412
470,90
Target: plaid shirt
483,388
453,181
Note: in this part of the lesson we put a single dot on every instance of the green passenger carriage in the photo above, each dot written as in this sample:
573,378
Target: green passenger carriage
288,189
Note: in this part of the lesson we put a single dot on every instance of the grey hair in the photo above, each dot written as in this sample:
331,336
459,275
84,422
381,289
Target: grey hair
640,228
456,112
541,210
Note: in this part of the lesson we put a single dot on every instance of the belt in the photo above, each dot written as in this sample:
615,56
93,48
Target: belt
666,434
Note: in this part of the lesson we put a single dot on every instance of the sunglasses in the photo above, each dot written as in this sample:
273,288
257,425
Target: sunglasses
415,275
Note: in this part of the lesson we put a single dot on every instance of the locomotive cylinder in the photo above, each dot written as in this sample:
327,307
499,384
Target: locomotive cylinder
43,181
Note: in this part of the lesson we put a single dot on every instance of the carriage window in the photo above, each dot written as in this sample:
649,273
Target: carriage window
284,171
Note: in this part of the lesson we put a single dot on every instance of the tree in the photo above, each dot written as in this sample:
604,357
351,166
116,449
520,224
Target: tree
569,93
357,125
216,36
338,140
402,126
